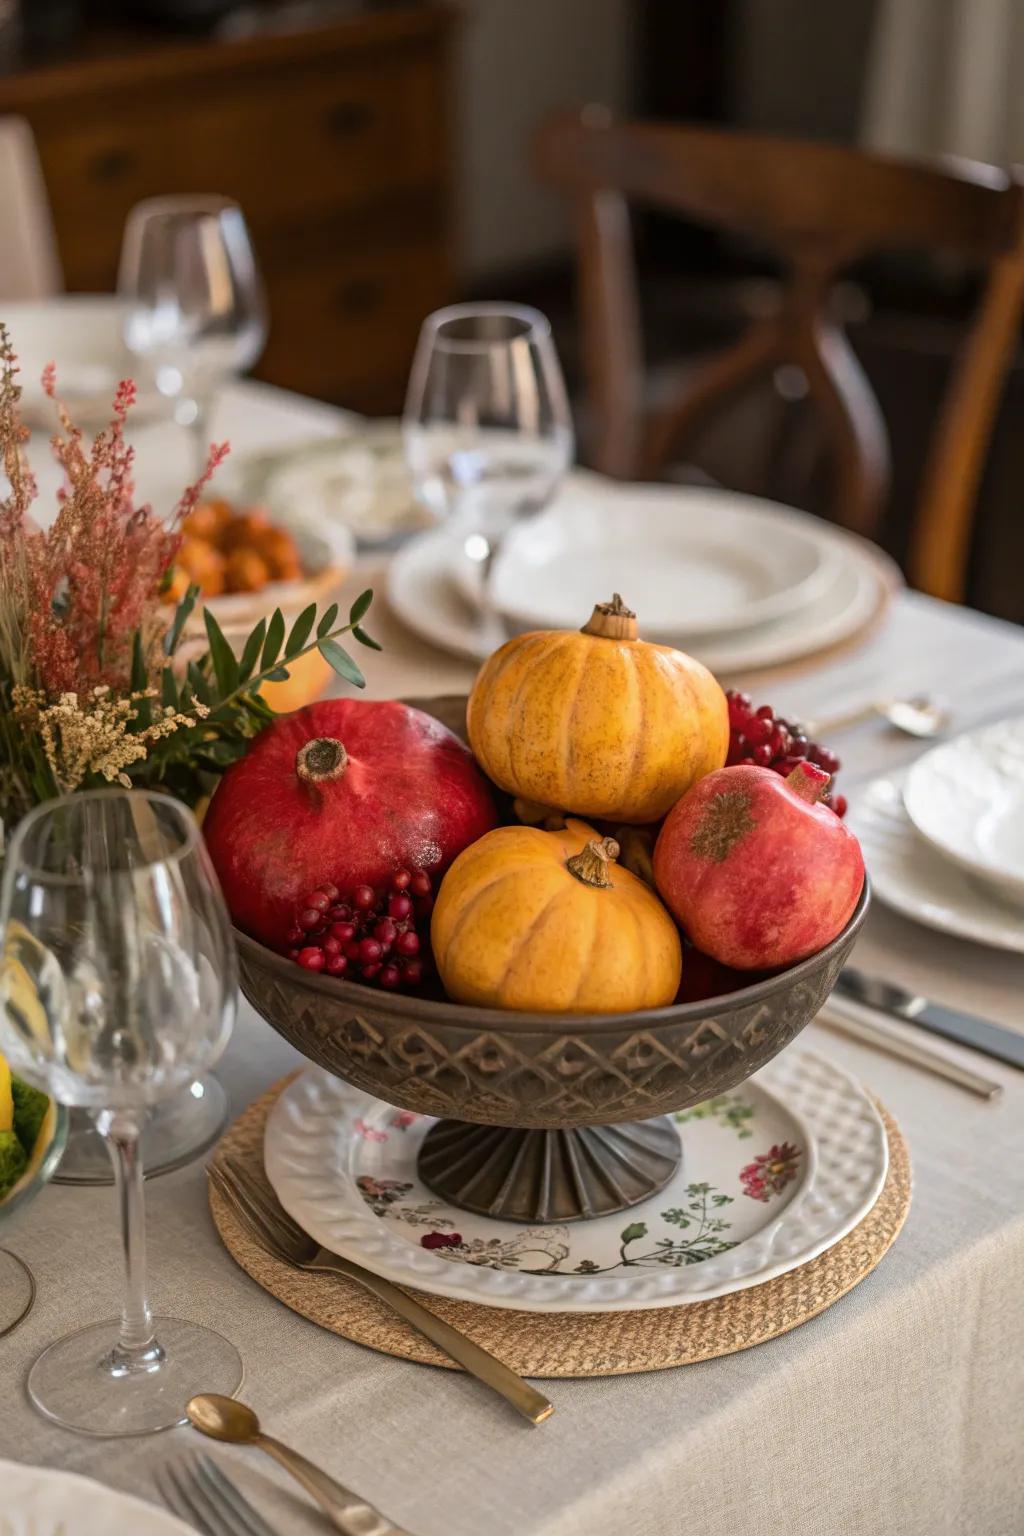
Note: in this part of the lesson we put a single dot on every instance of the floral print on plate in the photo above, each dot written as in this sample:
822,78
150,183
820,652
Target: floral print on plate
743,1160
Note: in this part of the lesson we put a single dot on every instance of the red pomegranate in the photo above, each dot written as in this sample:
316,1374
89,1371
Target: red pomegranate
755,870
704,978
345,791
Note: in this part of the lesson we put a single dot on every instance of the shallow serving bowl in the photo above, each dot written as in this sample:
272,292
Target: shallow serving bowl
543,1071
542,1116
554,1074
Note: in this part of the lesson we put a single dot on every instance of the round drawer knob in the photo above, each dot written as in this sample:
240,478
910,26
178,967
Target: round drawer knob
348,117
111,164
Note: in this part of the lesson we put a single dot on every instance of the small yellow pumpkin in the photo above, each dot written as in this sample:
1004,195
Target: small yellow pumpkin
547,922
597,721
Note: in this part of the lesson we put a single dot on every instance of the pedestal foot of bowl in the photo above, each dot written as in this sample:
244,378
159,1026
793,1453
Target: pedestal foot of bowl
556,1176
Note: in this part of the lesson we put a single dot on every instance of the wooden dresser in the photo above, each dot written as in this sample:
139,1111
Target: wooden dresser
334,141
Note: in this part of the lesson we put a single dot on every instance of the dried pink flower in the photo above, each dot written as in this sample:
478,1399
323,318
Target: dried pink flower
85,586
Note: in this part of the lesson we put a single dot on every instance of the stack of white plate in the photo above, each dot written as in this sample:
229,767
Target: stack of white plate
739,582
944,841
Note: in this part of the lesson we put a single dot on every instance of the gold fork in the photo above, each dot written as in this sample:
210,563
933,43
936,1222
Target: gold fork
266,1220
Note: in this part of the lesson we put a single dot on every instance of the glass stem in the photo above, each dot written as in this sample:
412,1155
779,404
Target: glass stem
200,438
136,1347
485,588
193,413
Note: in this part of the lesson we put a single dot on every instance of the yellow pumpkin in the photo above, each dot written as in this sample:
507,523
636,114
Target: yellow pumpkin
547,922
596,721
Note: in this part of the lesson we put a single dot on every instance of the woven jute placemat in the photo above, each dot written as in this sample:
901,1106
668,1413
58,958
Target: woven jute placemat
571,1344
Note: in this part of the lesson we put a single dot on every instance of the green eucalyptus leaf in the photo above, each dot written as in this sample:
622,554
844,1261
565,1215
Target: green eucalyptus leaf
225,667
279,675
181,615
361,607
300,631
358,633
139,676
274,641
199,683
342,662
327,622
251,651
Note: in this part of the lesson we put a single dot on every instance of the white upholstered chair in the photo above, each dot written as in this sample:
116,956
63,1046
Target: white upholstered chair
29,263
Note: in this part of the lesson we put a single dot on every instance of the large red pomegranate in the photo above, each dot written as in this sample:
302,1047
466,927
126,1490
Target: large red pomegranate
345,791
756,871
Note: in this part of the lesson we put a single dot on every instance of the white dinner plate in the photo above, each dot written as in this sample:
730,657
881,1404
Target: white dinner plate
423,591
696,561
918,882
40,1501
772,1174
81,333
966,798
356,479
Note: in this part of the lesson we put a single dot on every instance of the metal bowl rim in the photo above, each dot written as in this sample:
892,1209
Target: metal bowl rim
428,1011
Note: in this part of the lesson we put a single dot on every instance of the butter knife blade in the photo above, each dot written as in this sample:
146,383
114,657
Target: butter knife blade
982,1035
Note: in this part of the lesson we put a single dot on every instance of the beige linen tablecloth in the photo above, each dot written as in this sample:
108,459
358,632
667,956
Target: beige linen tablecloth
900,1410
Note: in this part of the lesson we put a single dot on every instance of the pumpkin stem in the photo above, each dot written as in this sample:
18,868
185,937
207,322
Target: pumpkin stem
321,760
612,621
590,865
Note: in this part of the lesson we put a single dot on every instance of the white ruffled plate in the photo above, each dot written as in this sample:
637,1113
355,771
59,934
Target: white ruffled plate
39,1501
916,881
966,798
772,1174
357,480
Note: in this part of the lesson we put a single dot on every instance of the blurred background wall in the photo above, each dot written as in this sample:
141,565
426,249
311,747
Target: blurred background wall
519,60
380,149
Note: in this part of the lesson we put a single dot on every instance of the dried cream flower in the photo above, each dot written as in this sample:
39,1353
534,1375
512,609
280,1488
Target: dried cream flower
92,736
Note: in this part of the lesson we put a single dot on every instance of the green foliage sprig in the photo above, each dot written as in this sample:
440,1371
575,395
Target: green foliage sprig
226,687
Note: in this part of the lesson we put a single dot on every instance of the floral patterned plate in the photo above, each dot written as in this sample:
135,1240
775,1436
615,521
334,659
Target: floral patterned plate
772,1174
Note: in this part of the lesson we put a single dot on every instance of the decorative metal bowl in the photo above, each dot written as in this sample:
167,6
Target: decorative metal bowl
542,1116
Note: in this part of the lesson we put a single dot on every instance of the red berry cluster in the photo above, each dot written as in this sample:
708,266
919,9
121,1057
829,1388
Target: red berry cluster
371,936
758,735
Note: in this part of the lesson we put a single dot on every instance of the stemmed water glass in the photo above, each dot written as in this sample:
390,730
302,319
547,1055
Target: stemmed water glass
194,306
487,430
118,985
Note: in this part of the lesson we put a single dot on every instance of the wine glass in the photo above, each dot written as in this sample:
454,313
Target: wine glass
487,431
118,984
195,311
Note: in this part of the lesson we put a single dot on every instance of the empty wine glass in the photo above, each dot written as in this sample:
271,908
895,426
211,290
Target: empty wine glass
487,431
118,984
195,310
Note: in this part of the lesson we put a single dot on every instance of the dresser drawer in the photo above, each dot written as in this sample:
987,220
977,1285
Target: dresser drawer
326,136
345,328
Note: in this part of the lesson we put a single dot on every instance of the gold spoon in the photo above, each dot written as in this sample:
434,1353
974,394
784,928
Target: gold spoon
921,716
222,1418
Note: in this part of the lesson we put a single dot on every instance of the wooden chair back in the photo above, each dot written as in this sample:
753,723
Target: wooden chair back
819,207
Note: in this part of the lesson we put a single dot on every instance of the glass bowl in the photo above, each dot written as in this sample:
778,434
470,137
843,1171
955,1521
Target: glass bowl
17,1285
